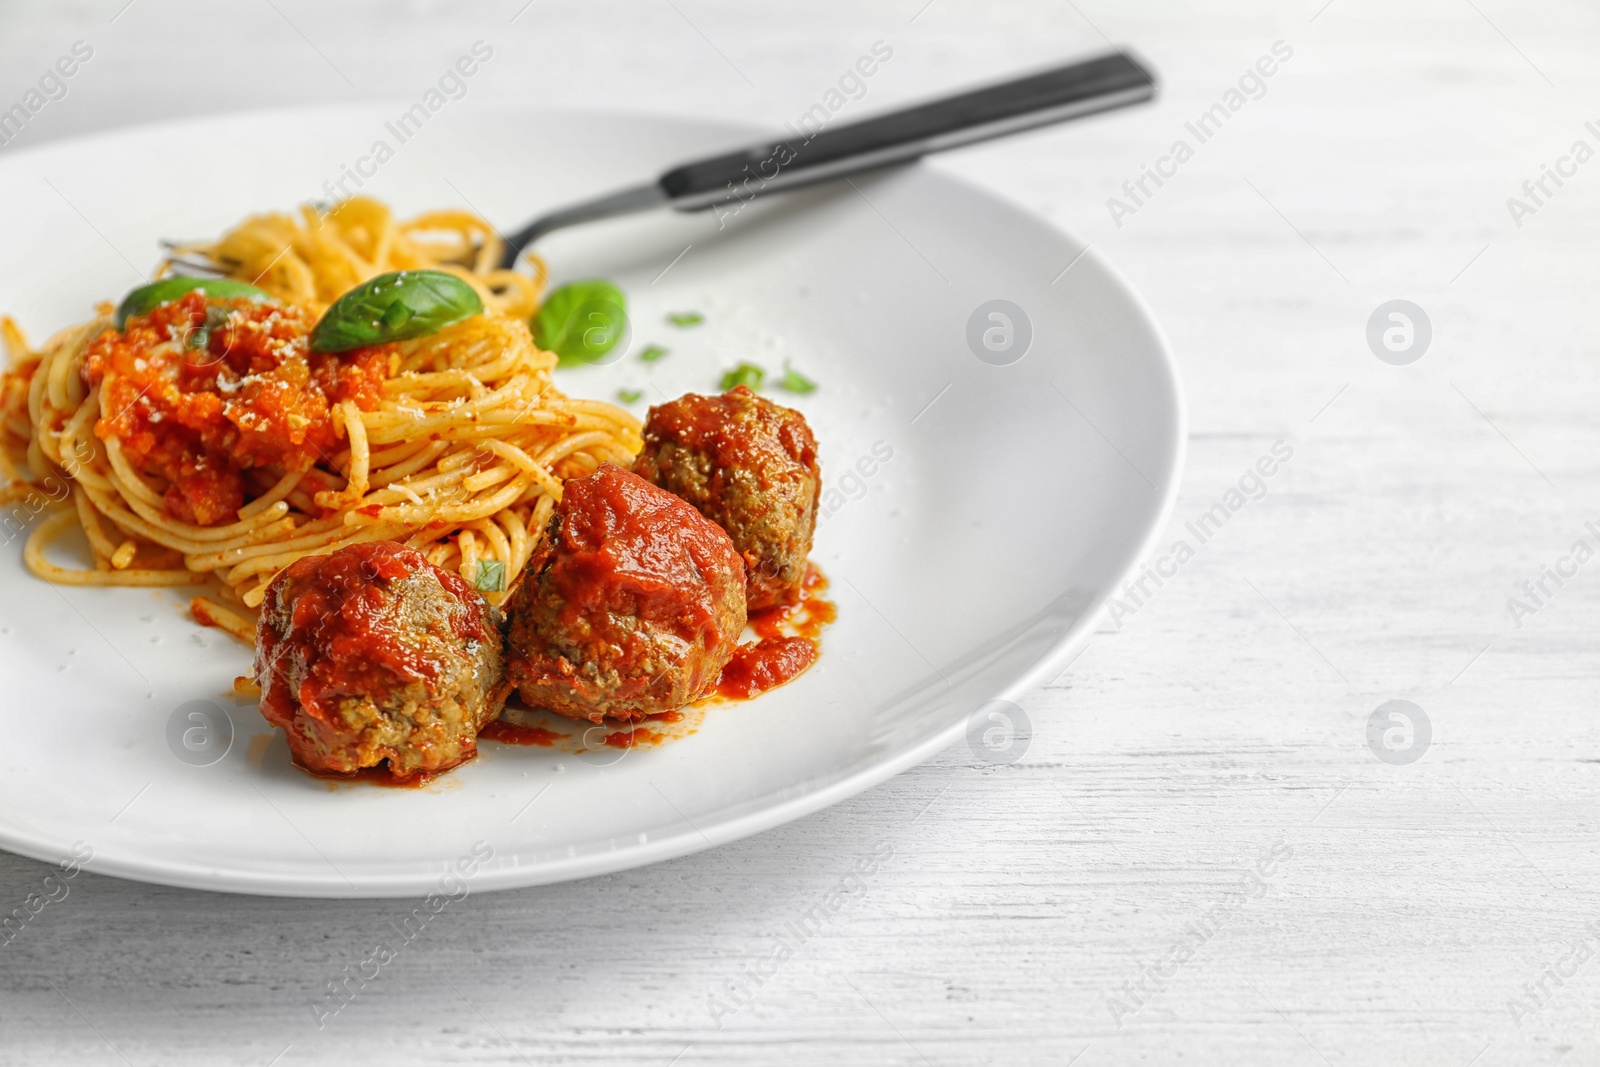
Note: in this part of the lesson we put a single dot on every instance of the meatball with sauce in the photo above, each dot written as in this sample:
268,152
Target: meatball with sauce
373,654
630,605
750,466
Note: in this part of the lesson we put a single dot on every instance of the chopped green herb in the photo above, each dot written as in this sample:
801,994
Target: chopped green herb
629,396
795,382
652,353
216,318
686,318
747,374
491,576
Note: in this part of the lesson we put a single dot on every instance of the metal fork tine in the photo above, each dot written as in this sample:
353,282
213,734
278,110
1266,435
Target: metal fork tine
193,267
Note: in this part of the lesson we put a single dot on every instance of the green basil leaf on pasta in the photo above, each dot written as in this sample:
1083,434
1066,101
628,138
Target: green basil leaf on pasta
398,306
147,298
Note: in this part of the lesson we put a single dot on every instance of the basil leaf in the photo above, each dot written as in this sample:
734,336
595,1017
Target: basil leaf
629,396
795,382
147,298
581,321
747,374
653,353
397,316
686,318
491,576
395,307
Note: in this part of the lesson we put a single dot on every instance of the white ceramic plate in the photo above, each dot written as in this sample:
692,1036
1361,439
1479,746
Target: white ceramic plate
983,512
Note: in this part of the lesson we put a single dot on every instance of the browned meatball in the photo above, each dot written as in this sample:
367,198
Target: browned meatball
750,466
631,604
373,654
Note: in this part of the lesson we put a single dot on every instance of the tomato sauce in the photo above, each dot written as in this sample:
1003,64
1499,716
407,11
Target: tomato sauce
632,548
789,639
631,579
343,635
200,394
629,739
765,664
511,733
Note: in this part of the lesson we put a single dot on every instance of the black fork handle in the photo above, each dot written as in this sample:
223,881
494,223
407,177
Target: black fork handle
823,154
817,153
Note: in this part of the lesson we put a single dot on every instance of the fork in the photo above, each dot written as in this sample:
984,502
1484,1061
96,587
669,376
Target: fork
900,136
827,154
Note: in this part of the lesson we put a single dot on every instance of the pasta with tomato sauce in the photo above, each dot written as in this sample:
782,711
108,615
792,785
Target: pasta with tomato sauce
213,438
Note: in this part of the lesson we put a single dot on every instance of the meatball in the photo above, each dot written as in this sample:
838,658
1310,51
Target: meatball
750,466
631,604
372,653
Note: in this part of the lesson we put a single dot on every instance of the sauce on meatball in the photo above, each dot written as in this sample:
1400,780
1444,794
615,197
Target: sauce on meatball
630,606
372,655
750,466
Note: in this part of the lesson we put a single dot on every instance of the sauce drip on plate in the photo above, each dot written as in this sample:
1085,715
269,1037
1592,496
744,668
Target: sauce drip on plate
788,640
512,733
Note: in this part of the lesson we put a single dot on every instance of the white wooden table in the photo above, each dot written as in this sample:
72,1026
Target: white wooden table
1079,905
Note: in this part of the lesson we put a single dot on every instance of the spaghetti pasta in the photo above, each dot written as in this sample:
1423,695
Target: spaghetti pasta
456,443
